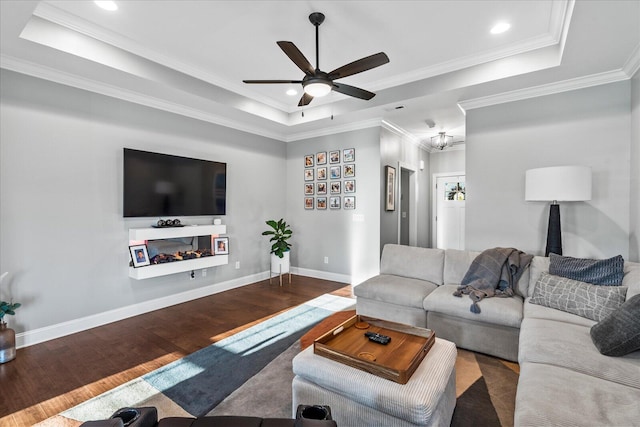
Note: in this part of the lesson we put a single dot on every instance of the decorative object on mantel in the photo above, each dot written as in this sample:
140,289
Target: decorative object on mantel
554,184
280,262
7,335
441,141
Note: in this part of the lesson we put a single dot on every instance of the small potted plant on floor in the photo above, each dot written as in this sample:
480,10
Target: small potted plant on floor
280,232
7,335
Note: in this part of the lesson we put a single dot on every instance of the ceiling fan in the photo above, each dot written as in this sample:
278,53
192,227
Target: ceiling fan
317,83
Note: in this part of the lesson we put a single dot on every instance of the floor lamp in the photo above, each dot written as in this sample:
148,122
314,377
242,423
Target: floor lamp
557,184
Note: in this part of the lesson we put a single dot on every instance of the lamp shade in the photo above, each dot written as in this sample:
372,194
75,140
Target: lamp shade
559,183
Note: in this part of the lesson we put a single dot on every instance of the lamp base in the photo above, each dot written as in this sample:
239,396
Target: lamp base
554,236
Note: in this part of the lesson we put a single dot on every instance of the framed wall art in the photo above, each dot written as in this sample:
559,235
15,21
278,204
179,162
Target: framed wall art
349,155
349,185
321,158
321,203
308,161
308,174
139,255
350,202
390,199
334,202
308,189
335,187
221,246
308,202
334,156
334,172
349,170
321,188
322,173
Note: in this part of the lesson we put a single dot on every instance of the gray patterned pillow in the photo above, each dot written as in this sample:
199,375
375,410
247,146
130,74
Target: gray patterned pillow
619,334
584,299
607,272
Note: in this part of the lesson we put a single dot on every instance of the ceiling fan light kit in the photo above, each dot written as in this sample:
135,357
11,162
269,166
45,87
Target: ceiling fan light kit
317,83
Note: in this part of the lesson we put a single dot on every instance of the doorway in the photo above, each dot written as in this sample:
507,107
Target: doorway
449,211
407,217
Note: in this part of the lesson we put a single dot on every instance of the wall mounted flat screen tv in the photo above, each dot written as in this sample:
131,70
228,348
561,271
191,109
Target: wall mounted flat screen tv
161,185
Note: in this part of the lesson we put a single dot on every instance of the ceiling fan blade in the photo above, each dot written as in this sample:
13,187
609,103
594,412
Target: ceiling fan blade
360,65
297,57
305,100
353,91
271,81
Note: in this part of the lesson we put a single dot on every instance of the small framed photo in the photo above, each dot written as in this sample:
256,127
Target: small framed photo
308,202
349,185
335,187
308,189
308,174
390,196
321,188
321,158
308,161
334,202
321,203
349,170
334,172
350,202
349,155
322,173
334,156
139,255
221,246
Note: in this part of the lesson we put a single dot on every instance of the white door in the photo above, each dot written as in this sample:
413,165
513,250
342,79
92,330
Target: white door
450,201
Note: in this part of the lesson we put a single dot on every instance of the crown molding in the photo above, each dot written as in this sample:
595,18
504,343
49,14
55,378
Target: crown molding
632,65
364,124
67,79
544,90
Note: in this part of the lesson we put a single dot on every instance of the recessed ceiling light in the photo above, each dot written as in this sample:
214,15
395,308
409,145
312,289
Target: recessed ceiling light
500,28
107,5
292,92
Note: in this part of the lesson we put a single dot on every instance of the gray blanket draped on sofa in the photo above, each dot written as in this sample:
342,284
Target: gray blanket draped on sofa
493,273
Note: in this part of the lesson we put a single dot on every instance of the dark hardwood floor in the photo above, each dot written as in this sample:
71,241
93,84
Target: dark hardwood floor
48,378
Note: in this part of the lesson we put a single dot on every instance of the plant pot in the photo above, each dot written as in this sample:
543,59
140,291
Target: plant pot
280,265
7,343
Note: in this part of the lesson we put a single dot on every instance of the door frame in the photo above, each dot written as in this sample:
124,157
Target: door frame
413,198
434,202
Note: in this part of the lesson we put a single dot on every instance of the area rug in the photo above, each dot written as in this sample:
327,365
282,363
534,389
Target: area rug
195,384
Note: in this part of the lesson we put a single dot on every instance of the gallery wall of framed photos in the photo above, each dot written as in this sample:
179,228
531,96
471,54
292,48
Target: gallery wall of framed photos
330,180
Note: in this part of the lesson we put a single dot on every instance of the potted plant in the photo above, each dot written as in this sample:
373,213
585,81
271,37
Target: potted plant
7,335
280,233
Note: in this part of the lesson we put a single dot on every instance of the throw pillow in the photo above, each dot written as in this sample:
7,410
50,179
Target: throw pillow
575,297
619,333
607,272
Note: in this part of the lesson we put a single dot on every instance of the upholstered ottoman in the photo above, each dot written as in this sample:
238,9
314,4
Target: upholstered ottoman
358,398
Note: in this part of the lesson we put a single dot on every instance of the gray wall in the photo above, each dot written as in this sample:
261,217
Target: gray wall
584,127
349,238
62,234
396,149
634,236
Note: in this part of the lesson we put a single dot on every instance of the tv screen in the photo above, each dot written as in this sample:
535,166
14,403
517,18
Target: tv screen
160,185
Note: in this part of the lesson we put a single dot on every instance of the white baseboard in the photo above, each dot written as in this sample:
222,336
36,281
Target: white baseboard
325,275
47,333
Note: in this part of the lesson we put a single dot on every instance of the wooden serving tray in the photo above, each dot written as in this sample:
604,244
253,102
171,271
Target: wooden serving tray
396,361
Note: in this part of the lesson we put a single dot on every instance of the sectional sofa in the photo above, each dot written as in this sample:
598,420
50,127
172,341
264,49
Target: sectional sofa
564,379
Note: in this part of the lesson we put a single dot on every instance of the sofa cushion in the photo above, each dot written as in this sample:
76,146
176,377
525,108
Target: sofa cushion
397,290
456,264
541,312
569,346
631,278
416,263
552,396
584,299
537,266
619,333
501,311
606,272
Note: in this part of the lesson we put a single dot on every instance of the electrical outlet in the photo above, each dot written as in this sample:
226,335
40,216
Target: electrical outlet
326,260
204,272
237,265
